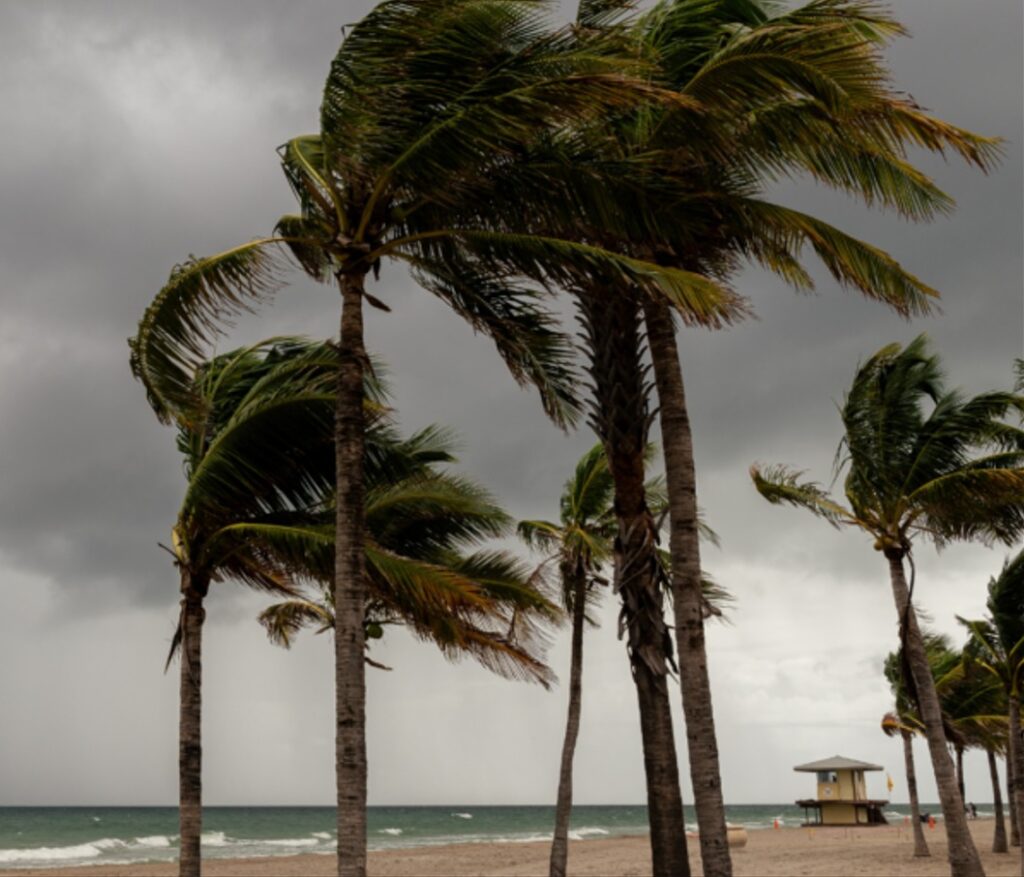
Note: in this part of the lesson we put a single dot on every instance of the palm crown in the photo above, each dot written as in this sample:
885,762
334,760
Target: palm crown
921,459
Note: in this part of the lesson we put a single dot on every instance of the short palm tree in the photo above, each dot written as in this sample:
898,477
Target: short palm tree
423,524
424,103
903,720
256,442
580,544
920,461
996,647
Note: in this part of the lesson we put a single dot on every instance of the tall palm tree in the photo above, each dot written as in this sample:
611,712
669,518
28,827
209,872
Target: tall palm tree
256,441
424,103
996,647
579,544
758,95
423,524
920,461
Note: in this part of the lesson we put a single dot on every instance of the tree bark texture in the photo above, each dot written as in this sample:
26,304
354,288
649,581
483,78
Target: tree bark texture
563,806
684,544
1011,803
960,773
1015,764
190,741
999,837
620,417
963,856
920,844
349,587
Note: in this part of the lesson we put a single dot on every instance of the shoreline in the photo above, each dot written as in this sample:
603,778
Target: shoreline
821,852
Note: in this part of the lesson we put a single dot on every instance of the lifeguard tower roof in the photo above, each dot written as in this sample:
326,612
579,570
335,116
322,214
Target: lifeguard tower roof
837,762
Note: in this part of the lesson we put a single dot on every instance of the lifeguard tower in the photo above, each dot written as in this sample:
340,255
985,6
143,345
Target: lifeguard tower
842,797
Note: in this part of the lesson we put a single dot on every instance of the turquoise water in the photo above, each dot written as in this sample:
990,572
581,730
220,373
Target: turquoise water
34,837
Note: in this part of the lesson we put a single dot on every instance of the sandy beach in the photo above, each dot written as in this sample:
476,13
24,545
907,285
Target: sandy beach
818,852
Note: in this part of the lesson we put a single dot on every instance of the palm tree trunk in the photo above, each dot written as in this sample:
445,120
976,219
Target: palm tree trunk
349,587
684,543
963,856
190,741
920,844
563,808
999,837
960,772
611,319
1016,767
1011,803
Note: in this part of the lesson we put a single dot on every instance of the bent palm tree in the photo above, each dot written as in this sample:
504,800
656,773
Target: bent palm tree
422,523
580,544
256,439
996,647
424,103
951,472
761,92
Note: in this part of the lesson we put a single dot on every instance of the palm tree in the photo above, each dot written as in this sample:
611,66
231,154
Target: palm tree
951,472
256,440
996,647
757,96
580,543
424,103
905,722
422,522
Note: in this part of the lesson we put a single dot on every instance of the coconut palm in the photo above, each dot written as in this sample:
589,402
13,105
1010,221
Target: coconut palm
920,461
580,544
423,524
256,441
758,96
905,722
996,647
424,103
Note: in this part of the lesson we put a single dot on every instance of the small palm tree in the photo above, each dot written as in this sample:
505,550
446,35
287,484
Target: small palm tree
579,545
996,647
423,523
256,442
920,461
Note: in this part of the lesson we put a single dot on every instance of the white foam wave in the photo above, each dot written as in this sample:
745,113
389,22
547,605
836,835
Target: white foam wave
51,854
293,842
392,831
323,835
153,840
588,830
463,815
213,839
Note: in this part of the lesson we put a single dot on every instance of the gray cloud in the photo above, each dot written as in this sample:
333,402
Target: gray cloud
139,133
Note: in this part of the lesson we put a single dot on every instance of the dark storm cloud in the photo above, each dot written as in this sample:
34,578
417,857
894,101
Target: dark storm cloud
140,132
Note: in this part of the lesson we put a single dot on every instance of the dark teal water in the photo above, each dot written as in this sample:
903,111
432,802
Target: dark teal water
33,837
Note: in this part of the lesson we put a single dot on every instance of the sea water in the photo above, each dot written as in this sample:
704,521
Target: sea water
36,837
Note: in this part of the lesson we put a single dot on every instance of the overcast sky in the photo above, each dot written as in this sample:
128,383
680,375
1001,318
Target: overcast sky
138,133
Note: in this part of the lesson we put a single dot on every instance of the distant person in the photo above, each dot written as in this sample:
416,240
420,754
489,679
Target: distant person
925,817
974,811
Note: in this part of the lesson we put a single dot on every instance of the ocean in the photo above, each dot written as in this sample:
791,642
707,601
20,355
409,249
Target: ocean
36,837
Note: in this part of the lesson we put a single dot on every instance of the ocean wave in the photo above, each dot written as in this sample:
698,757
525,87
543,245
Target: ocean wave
154,840
323,835
53,854
588,830
392,831
214,839
293,842
463,815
